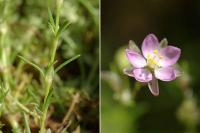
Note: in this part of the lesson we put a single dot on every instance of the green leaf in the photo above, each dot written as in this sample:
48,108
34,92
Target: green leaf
66,62
64,27
32,64
51,28
51,20
26,123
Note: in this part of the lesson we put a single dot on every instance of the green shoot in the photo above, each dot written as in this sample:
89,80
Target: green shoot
32,64
66,62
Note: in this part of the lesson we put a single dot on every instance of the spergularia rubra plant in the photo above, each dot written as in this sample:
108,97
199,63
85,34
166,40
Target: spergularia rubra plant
156,61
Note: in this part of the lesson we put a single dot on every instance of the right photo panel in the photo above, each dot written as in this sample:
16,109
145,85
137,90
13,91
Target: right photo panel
150,66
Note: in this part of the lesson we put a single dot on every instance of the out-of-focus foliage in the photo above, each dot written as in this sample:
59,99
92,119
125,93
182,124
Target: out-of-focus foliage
24,30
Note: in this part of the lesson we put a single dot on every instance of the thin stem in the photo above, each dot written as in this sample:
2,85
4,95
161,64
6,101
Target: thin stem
44,109
49,76
48,87
42,129
57,16
54,48
4,50
50,70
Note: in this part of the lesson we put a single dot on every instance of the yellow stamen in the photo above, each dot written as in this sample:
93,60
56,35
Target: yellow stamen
153,59
155,51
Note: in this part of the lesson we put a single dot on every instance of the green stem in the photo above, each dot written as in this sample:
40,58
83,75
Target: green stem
4,61
44,109
4,48
57,17
50,72
54,48
43,129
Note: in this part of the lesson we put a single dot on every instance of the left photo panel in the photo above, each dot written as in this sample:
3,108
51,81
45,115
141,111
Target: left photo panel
49,66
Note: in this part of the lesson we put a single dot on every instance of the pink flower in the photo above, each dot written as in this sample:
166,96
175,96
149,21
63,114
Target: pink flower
155,62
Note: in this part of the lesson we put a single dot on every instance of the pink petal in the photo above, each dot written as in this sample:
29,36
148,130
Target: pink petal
150,44
153,86
142,75
129,72
135,59
169,56
165,74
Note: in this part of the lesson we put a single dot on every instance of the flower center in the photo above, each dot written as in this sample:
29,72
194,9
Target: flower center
153,59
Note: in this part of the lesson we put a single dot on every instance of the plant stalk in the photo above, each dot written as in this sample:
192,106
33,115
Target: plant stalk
50,70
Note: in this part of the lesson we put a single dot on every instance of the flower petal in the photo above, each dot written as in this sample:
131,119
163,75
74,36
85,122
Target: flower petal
153,86
135,59
142,75
165,74
149,44
170,55
129,72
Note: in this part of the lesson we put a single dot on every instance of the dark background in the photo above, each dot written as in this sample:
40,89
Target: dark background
179,22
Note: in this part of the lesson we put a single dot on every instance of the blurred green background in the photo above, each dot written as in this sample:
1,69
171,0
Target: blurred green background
128,106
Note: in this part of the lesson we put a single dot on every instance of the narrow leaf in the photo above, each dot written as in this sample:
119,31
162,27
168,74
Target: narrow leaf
64,27
66,62
32,64
26,123
51,28
51,20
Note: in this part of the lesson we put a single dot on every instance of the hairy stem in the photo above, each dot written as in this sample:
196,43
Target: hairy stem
44,109
54,48
50,72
